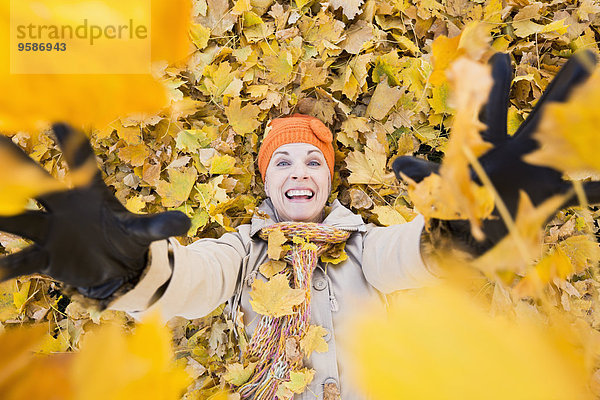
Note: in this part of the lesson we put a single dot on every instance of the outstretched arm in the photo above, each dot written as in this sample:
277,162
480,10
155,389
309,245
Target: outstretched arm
503,163
84,236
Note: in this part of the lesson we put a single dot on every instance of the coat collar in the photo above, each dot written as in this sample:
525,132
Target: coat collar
339,217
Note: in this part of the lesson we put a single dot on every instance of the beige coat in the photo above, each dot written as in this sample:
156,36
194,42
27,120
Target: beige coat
208,272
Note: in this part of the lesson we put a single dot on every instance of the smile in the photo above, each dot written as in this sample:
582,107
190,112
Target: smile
299,194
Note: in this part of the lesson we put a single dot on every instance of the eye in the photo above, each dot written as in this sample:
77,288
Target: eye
282,163
314,163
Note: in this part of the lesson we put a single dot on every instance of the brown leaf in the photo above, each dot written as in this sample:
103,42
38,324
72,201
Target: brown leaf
292,350
384,98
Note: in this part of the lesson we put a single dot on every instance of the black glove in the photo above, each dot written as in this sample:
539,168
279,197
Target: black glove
85,237
504,163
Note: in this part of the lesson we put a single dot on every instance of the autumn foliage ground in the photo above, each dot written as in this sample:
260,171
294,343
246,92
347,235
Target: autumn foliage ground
382,75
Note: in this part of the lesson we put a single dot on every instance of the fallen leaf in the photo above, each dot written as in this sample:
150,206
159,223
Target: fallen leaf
276,240
350,8
242,119
275,298
178,189
271,268
387,215
368,167
313,340
237,374
299,380
384,98
126,362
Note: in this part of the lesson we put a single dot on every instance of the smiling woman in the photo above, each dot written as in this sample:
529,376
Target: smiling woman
291,313
298,182
296,162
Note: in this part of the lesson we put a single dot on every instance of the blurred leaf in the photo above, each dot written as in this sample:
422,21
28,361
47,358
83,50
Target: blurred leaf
477,356
138,365
562,149
33,101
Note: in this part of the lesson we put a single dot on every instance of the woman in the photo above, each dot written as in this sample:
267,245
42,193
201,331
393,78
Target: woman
87,239
296,161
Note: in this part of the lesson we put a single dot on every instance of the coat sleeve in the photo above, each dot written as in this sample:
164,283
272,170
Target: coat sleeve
392,257
186,281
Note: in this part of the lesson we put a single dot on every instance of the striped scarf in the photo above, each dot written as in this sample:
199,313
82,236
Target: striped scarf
275,337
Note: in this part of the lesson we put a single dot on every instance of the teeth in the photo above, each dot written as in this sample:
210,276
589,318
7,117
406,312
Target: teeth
292,193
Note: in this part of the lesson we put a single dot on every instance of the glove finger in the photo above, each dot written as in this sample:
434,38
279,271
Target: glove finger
495,112
415,168
25,262
575,71
592,192
32,225
74,144
9,148
158,226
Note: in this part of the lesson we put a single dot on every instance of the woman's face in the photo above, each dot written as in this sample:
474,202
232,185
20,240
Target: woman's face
298,182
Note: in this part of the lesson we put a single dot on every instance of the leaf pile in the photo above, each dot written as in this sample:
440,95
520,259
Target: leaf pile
379,73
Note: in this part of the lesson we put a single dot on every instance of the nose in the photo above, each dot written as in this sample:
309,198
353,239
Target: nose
299,171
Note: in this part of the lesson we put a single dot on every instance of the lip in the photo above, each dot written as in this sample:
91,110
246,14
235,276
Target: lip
299,200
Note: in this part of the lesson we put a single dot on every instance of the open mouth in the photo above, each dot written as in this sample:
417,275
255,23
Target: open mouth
299,194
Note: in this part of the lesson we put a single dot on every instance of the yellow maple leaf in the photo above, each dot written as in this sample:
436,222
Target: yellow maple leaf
51,344
471,82
242,119
583,250
526,27
199,35
237,374
178,189
275,298
368,166
7,304
432,198
135,204
131,135
279,66
136,155
224,164
299,380
18,367
313,340
554,265
439,99
568,131
477,356
21,296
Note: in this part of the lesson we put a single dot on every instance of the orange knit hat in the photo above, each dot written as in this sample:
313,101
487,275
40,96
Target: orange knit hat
298,128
